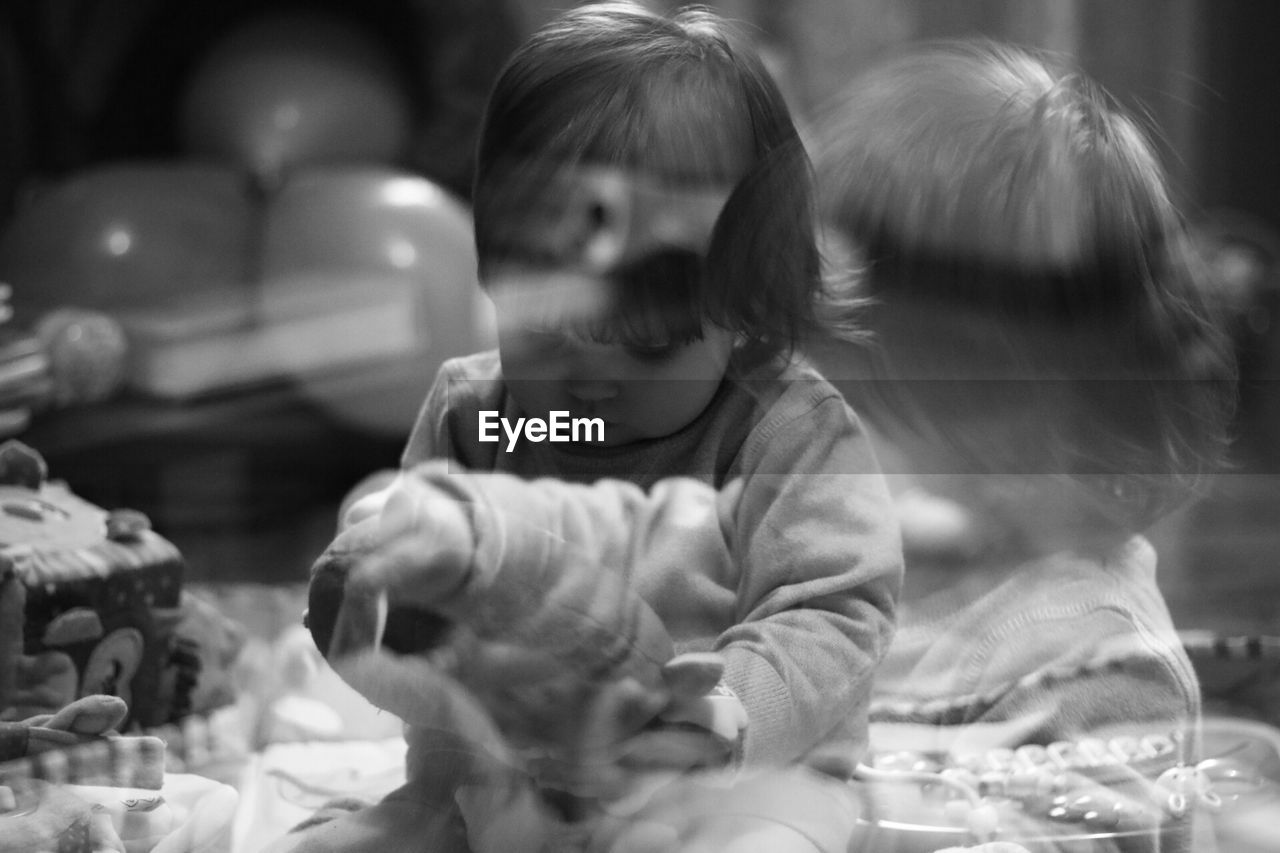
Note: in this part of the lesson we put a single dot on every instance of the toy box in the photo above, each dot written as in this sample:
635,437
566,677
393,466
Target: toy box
97,597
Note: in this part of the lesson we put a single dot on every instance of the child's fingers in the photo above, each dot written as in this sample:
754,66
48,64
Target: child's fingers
720,713
669,748
424,545
418,569
693,674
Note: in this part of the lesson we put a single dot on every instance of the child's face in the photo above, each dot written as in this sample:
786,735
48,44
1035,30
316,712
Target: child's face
570,239
639,391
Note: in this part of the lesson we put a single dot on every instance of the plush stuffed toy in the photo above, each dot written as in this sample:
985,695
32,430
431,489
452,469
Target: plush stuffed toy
78,744
568,662
44,816
70,783
189,814
563,660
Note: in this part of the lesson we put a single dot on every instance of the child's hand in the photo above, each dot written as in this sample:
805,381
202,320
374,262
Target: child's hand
719,712
414,554
701,726
425,544
408,545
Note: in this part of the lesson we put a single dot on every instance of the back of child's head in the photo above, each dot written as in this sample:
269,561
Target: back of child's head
617,126
1015,234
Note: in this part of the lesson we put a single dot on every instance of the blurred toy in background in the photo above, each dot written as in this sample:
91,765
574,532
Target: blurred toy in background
286,242
285,91
86,351
70,782
71,356
401,247
84,251
98,641
97,599
136,761
94,584
125,235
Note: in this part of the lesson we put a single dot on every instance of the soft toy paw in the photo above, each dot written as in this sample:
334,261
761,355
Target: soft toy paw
43,683
89,721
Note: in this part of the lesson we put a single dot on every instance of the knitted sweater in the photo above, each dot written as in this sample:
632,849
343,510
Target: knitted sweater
1062,648
797,591
1057,648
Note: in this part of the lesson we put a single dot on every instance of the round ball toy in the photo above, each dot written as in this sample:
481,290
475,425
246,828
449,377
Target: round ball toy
359,236
293,89
127,235
87,353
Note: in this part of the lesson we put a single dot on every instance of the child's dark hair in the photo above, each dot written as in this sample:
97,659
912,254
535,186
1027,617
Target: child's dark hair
680,100
1010,220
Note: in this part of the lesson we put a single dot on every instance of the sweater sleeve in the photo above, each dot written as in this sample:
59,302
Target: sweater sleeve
429,438
805,534
819,569
448,421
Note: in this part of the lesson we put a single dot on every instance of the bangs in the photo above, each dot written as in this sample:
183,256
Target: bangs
665,111
688,126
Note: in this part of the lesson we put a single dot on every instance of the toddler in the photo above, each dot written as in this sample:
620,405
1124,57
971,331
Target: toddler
644,227
1046,377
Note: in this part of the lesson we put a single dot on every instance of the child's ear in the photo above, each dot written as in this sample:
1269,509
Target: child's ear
692,674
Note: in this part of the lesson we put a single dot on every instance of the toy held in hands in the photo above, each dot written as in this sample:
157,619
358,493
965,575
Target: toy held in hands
567,660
